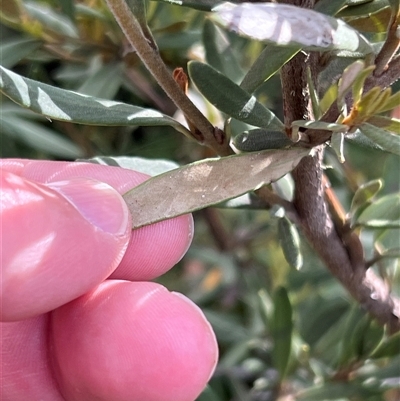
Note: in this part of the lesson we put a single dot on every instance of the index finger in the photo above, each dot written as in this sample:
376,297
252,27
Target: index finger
153,249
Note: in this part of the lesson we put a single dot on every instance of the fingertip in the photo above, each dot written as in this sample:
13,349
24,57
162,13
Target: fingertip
97,202
53,253
155,249
132,341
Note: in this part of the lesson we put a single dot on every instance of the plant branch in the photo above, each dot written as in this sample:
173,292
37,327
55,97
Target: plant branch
390,46
387,78
338,248
271,198
341,251
154,63
221,237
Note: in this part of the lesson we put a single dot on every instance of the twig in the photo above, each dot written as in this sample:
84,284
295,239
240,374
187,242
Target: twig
390,46
338,253
158,69
271,198
387,78
222,239
341,254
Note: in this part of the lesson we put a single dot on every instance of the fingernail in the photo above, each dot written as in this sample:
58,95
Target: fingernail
98,203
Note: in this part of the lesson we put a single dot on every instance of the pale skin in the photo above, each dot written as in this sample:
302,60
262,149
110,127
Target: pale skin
80,319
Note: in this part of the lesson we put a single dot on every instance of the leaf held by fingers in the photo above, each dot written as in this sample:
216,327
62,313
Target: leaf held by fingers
206,183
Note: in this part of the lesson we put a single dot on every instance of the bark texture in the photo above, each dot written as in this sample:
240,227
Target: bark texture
338,247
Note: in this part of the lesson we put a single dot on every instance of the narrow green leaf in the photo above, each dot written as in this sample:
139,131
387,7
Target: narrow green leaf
334,127
12,11
246,201
219,51
363,9
389,347
365,193
208,182
261,139
375,23
348,77
230,98
383,98
265,306
365,337
347,351
391,103
386,209
336,392
337,144
270,60
360,139
15,49
387,241
52,20
375,223
204,5
282,326
370,102
390,124
284,187
313,95
329,97
38,137
287,25
358,83
352,3
393,253
289,240
330,7
83,10
151,167
60,104
385,139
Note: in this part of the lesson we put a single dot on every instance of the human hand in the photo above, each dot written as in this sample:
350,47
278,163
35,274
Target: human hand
68,334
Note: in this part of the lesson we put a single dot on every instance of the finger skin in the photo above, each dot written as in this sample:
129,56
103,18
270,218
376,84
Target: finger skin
153,249
25,373
51,254
129,341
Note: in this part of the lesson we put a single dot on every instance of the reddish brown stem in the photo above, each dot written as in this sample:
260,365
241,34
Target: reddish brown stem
339,249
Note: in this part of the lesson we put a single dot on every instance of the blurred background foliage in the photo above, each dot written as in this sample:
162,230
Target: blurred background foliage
284,334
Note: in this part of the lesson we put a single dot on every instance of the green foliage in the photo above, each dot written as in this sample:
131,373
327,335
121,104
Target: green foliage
259,139
281,331
290,242
59,104
230,98
86,95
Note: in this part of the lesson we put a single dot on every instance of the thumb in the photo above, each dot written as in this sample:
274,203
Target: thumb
58,241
